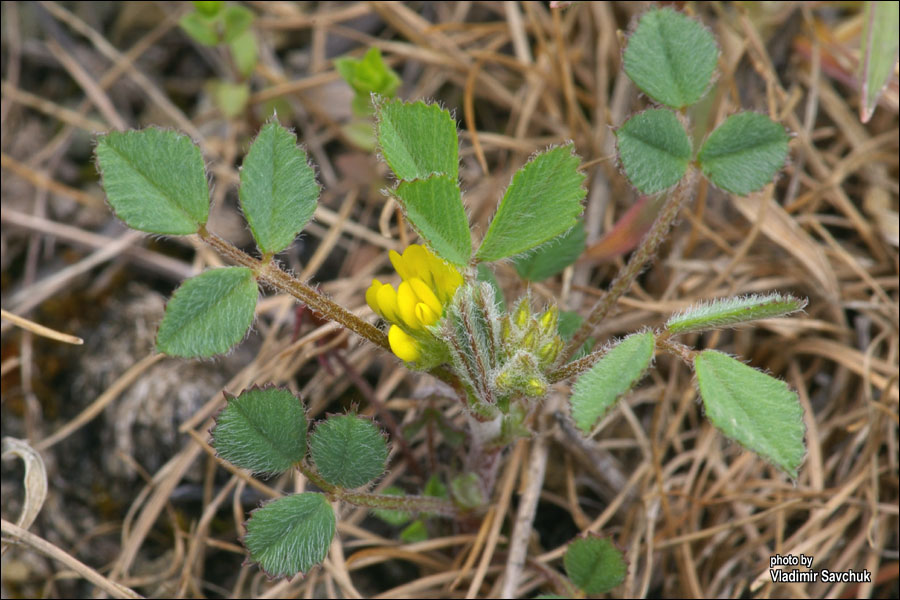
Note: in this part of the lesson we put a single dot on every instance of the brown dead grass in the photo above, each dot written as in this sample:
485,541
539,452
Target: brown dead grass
697,515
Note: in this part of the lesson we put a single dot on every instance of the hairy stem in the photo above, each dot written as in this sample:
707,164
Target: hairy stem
271,274
643,255
368,500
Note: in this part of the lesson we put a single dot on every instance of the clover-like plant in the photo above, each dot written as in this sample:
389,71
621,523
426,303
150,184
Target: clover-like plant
445,317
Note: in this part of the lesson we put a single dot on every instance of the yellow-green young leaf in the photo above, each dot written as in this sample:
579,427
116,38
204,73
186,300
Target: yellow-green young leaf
231,98
880,42
209,313
348,451
725,312
290,535
262,430
597,390
760,412
236,20
434,208
594,564
744,153
654,150
201,28
155,180
368,75
244,52
542,201
278,188
552,257
208,8
417,140
671,57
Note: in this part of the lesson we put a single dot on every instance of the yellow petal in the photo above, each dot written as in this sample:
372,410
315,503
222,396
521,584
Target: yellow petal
400,264
403,344
427,316
417,261
426,295
387,302
406,301
372,296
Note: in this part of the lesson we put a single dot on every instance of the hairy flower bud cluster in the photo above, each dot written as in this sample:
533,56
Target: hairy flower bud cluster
500,358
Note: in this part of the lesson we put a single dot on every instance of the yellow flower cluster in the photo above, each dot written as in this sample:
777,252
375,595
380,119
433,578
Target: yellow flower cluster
418,302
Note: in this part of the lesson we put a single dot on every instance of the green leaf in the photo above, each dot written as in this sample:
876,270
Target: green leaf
435,210
278,188
671,57
291,535
208,8
368,75
543,201
760,412
349,451
598,389
262,430
594,564
231,98
237,20
202,29
414,532
880,43
244,52
553,257
155,180
730,311
466,491
417,140
744,153
209,313
654,150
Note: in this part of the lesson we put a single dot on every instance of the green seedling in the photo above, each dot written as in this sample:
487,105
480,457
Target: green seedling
367,76
217,24
446,318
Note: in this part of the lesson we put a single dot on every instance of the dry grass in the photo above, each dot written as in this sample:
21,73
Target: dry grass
135,492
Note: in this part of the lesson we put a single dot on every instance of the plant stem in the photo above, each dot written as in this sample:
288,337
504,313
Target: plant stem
576,366
645,252
272,275
368,500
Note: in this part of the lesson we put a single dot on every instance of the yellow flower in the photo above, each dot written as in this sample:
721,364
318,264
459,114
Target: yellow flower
418,302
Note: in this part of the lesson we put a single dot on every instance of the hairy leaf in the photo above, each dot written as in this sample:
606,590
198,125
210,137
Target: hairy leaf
671,57
417,140
731,311
654,150
348,451
434,208
291,535
594,564
262,430
542,201
155,180
278,188
743,154
597,390
760,412
209,313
